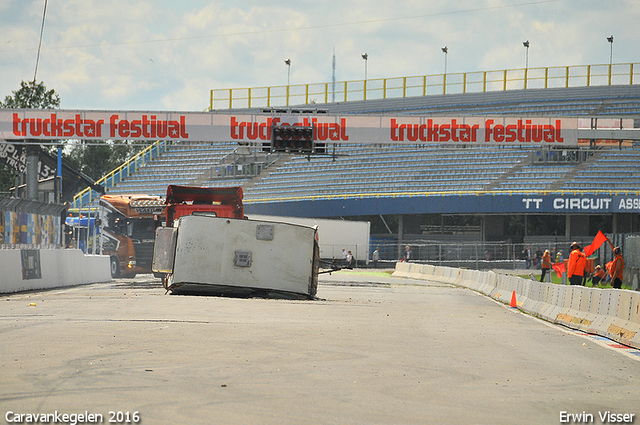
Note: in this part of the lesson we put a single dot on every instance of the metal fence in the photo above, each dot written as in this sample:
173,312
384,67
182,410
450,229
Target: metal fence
423,85
474,255
477,255
632,251
484,255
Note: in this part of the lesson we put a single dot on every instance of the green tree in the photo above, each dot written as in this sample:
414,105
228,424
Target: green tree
30,95
95,160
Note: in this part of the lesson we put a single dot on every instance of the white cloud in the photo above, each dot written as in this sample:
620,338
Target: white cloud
111,55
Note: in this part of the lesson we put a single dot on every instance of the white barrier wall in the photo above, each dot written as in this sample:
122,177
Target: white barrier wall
57,268
612,313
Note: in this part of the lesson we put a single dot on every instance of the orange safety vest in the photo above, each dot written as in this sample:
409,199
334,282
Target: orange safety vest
577,263
546,261
614,266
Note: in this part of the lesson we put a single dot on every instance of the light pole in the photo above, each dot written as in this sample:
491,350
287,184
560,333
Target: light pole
610,40
288,62
365,57
526,61
445,50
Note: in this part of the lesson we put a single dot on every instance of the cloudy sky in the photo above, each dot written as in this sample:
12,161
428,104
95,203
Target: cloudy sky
167,55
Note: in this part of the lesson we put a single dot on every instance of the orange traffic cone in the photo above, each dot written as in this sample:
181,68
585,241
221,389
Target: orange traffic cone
513,300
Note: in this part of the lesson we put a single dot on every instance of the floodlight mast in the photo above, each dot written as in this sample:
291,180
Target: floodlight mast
288,63
610,40
526,61
365,56
445,50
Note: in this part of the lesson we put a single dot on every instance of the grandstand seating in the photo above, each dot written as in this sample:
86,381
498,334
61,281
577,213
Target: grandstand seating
391,169
182,163
539,176
612,171
386,169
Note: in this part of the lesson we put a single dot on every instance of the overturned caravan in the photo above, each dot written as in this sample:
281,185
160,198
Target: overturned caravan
205,254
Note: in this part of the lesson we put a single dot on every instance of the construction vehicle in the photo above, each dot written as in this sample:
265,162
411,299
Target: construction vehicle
209,247
127,230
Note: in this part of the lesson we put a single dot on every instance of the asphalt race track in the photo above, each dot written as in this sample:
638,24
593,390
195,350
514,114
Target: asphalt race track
371,350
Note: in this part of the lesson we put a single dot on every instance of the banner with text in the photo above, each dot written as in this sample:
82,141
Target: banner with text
39,124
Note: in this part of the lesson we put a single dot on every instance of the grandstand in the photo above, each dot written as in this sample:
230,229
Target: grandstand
181,163
354,180
353,169
392,169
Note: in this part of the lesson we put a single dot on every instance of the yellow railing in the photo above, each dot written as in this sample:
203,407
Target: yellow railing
109,180
437,193
398,87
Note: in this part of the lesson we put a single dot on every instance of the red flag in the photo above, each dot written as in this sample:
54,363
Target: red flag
559,268
597,243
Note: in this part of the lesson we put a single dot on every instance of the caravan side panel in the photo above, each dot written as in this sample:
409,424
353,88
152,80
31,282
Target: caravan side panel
244,253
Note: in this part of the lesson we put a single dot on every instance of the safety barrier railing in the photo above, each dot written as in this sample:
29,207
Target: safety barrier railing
450,83
294,198
151,152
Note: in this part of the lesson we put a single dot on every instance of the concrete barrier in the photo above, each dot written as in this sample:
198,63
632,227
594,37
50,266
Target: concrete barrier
591,311
626,323
488,282
584,306
429,270
400,270
634,318
50,268
612,313
571,315
533,301
558,297
607,307
523,288
446,274
548,293
470,279
505,285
